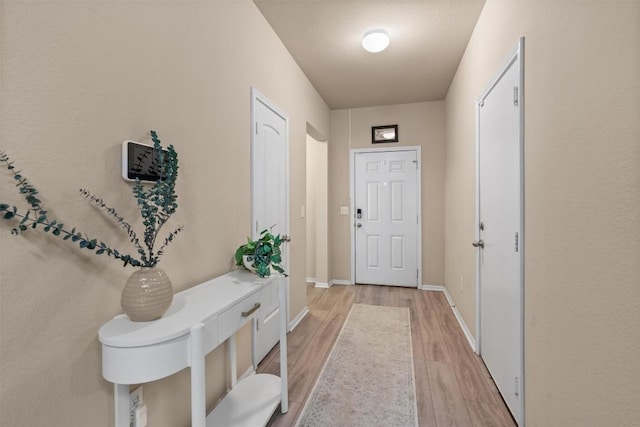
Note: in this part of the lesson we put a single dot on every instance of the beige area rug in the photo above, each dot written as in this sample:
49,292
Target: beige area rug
368,378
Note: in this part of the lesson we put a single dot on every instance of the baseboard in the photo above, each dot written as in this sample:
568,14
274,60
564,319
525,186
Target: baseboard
293,323
463,325
323,285
436,288
340,282
247,373
311,280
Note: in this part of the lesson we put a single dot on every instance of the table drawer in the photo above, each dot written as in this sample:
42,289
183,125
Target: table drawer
232,319
269,298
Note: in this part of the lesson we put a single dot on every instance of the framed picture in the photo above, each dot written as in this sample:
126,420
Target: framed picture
381,134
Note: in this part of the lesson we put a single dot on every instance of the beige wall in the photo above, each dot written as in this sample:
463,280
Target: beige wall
582,167
78,78
310,208
316,211
421,124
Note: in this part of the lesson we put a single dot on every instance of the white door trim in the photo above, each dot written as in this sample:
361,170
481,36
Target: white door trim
256,97
352,226
516,53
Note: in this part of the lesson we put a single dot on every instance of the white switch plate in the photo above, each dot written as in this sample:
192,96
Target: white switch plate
136,399
344,210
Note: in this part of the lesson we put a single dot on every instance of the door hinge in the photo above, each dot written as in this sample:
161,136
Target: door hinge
256,128
515,96
516,242
517,393
417,273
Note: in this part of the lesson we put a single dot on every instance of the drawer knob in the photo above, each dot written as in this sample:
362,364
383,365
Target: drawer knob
250,312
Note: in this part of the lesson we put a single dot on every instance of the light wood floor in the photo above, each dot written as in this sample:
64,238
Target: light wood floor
453,386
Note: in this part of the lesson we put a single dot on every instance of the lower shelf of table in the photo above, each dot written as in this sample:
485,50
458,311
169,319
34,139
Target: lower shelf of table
249,404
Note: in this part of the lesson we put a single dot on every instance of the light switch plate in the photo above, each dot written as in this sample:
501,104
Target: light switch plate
344,210
136,400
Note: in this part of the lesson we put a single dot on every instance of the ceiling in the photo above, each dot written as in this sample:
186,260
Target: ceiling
428,38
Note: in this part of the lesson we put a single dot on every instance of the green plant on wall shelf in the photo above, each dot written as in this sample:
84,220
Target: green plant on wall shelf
156,203
262,254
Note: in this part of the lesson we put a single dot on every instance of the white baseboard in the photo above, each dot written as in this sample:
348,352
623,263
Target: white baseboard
293,323
340,282
331,283
311,280
437,288
247,373
463,325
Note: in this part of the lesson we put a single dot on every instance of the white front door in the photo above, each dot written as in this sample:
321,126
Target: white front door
386,218
270,201
500,239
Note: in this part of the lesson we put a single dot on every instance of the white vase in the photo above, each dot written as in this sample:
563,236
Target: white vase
247,261
147,294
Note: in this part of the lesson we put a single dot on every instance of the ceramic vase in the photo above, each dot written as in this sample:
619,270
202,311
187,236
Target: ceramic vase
247,261
147,294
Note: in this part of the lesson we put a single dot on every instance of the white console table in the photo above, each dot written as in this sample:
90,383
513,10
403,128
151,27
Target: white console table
199,319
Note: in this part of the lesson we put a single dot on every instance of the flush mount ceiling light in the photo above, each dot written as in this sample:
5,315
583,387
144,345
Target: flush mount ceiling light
375,41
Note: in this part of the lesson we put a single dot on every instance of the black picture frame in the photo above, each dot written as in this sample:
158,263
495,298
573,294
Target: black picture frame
384,134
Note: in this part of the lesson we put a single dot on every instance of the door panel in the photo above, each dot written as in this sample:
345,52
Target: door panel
501,231
270,205
386,242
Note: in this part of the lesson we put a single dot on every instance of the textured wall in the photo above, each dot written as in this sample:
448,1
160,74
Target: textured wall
310,207
316,210
78,78
421,124
582,209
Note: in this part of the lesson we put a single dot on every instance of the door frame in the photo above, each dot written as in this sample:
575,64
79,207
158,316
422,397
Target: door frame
257,97
517,53
352,191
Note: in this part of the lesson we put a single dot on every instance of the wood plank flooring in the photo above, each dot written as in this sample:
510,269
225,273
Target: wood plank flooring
452,384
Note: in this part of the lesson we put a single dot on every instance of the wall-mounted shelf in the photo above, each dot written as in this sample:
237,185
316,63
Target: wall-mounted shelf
199,320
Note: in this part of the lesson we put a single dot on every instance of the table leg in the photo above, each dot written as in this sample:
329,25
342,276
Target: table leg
121,405
284,394
198,399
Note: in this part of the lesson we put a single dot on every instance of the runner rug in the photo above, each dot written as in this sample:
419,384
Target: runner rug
368,378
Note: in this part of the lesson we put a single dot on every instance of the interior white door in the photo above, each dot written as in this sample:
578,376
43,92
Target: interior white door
270,199
386,218
500,234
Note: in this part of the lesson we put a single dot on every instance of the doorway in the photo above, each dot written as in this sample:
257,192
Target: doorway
317,221
270,203
386,228
499,234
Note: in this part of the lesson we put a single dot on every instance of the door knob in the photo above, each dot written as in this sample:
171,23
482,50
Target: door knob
478,243
358,225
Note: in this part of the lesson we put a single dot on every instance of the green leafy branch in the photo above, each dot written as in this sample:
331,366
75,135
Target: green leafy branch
156,206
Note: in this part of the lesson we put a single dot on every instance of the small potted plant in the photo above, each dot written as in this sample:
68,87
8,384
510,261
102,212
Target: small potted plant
260,256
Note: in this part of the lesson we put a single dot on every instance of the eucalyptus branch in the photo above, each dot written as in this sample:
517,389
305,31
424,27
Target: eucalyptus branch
26,189
169,239
57,229
156,205
119,220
